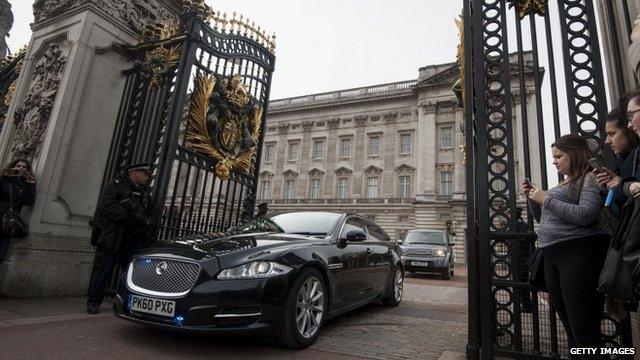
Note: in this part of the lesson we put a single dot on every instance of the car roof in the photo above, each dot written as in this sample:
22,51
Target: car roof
427,230
310,212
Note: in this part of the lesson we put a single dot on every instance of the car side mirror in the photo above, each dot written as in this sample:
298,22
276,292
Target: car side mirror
400,241
356,236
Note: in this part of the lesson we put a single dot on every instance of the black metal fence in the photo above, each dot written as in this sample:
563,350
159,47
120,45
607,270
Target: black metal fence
9,70
561,37
198,187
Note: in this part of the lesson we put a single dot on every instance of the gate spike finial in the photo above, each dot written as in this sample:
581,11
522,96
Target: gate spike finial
259,36
233,23
245,26
224,22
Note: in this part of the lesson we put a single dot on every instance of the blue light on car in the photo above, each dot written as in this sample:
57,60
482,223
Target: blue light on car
178,320
129,302
144,261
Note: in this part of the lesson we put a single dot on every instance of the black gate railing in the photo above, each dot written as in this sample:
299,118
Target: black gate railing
562,42
9,71
194,106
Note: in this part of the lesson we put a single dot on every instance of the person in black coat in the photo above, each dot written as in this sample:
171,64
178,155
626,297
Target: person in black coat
17,189
121,226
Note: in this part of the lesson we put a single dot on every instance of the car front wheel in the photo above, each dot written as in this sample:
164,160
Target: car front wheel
304,311
447,273
397,288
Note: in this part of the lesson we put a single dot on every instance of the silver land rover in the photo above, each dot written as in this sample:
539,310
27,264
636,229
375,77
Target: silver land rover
428,251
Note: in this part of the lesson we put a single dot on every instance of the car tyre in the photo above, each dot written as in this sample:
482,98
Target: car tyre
447,273
396,289
304,311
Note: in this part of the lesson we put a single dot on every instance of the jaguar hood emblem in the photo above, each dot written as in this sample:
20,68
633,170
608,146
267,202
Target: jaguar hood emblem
161,267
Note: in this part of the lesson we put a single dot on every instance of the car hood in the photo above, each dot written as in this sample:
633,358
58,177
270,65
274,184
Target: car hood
254,241
216,252
424,246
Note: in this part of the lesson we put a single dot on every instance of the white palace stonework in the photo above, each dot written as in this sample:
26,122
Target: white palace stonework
390,152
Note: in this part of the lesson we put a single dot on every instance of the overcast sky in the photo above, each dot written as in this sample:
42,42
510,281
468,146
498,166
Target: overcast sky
326,45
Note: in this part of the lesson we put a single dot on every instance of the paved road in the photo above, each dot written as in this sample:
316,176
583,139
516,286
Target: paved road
429,324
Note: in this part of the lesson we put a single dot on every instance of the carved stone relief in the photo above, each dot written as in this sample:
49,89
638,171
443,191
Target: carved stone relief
135,13
32,116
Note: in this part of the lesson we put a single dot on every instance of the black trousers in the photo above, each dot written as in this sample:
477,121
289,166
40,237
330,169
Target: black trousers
4,247
571,270
103,265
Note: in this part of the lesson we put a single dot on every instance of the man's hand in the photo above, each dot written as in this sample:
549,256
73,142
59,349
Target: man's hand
537,195
606,178
634,188
526,187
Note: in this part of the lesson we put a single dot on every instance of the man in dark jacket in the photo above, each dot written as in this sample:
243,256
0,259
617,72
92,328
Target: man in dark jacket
121,226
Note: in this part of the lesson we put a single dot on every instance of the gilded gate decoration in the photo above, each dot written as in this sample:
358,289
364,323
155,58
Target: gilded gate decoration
194,105
224,123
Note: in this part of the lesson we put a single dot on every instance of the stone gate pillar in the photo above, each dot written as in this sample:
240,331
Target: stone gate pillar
62,117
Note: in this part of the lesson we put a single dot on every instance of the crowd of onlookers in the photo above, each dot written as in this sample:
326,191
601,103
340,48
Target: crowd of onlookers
588,247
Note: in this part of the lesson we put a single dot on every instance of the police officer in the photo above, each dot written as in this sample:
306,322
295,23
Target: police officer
262,209
121,226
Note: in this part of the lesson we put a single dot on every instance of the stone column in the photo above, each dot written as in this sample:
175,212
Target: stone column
426,169
62,117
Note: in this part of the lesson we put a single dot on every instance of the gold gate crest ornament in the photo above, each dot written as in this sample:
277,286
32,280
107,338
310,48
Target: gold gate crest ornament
224,123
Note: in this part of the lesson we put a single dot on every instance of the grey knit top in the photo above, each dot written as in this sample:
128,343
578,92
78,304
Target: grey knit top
564,218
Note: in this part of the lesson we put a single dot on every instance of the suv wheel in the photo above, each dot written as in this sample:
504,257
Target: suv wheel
447,274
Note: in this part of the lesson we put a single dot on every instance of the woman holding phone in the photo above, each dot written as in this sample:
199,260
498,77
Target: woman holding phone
17,189
623,141
572,240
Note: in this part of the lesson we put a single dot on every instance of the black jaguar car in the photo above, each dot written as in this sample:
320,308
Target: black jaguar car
279,276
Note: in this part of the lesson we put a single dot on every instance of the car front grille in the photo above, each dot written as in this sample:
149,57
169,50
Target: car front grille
418,252
162,277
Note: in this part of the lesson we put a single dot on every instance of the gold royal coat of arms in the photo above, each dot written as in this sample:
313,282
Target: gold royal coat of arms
224,123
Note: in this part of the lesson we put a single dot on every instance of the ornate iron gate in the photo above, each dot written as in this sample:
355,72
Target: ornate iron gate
194,106
9,71
494,77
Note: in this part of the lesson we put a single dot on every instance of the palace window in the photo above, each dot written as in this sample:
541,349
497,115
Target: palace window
314,190
265,189
405,143
372,186
345,147
289,189
269,152
446,137
374,146
404,186
293,151
446,183
343,188
318,148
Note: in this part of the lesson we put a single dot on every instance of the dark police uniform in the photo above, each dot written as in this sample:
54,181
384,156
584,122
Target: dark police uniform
122,225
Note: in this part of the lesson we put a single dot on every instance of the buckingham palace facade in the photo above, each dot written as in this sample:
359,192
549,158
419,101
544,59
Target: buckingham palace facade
391,152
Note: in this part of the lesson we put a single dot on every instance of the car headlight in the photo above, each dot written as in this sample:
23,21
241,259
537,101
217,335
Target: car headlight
439,253
254,270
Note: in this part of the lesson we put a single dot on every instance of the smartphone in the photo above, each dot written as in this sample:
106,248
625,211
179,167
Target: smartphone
595,163
527,181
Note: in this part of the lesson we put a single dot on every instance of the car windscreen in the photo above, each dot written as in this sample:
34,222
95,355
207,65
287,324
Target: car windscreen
423,237
304,223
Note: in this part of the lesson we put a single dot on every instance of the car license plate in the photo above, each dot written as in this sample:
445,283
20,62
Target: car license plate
152,306
420,263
